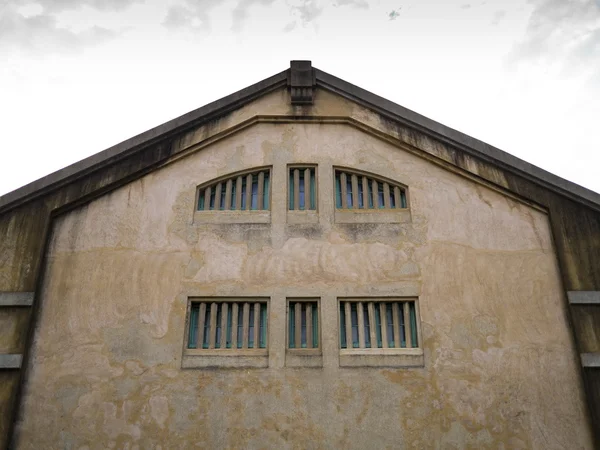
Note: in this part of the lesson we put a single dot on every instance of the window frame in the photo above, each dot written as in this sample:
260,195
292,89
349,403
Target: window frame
218,216
302,216
376,356
225,357
370,215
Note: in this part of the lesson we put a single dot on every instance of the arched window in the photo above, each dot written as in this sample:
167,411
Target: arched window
248,190
357,190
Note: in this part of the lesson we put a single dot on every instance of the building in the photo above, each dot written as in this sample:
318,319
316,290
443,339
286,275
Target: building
302,264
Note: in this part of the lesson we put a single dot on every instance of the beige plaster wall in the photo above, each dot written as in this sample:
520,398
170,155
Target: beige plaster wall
499,372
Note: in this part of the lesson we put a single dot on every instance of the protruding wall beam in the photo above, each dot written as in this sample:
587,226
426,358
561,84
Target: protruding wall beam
11,361
590,359
16,298
584,297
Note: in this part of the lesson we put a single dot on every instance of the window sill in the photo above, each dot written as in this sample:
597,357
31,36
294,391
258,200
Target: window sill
220,217
303,357
388,357
372,215
302,217
203,359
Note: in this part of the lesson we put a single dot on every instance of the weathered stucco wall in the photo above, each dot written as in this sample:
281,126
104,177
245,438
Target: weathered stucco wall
500,370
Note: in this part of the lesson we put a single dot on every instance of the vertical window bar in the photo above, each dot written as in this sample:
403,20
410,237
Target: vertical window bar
292,326
218,328
193,331
291,190
386,196
378,324
296,189
201,200
224,314
407,325
261,190
245,328
342,326
212,329
313,191
383,324
201,327
361,325
372,325
355,326
309,326
403,199
251,327
256,327
315,325
238,193
234,325
413,324
263,325
397,198
396,320
228,189
307,182
298,324
365,192
338,190
210,194
303,338
266,192
380,195
351,194
374,196
367,325
348,324
355,195
254,202
218,196
228,335
249,197
344,194
389,320
240,325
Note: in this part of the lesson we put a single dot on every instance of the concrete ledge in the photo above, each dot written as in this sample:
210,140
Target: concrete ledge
11,361
224,362
379,358
220,217
16,298
372,215
584,297
298,359
590,359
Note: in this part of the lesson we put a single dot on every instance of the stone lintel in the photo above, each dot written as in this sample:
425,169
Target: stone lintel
16,298
301,81
590,359
10,361
584,297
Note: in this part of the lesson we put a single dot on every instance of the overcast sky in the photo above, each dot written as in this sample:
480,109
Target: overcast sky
78,76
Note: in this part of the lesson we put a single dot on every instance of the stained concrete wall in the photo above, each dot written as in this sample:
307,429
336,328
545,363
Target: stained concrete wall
499,367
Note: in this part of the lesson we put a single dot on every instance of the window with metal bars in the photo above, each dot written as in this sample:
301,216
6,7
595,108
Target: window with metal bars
381,323
245,191
230,324
303,324
302,188
354,190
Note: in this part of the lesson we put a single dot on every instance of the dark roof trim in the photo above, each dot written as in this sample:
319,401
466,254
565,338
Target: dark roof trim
466,143
125,148
379,104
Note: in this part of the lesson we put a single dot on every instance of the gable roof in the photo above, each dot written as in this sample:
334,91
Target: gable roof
320,79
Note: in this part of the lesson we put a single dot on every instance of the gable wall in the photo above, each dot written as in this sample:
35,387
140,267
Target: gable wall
107,351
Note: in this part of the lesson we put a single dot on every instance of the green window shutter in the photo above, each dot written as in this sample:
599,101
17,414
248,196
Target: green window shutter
263,325
266,191
291,190
343,343
292,326
378,325
229,329
313,193
315,325
413,325
193,331
201,201
338,191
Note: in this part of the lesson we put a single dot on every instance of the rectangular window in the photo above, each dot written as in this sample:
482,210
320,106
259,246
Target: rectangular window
378,324
228,325
302,192
303,324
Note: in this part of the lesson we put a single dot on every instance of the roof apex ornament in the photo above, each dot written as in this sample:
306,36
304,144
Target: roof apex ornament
301,80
